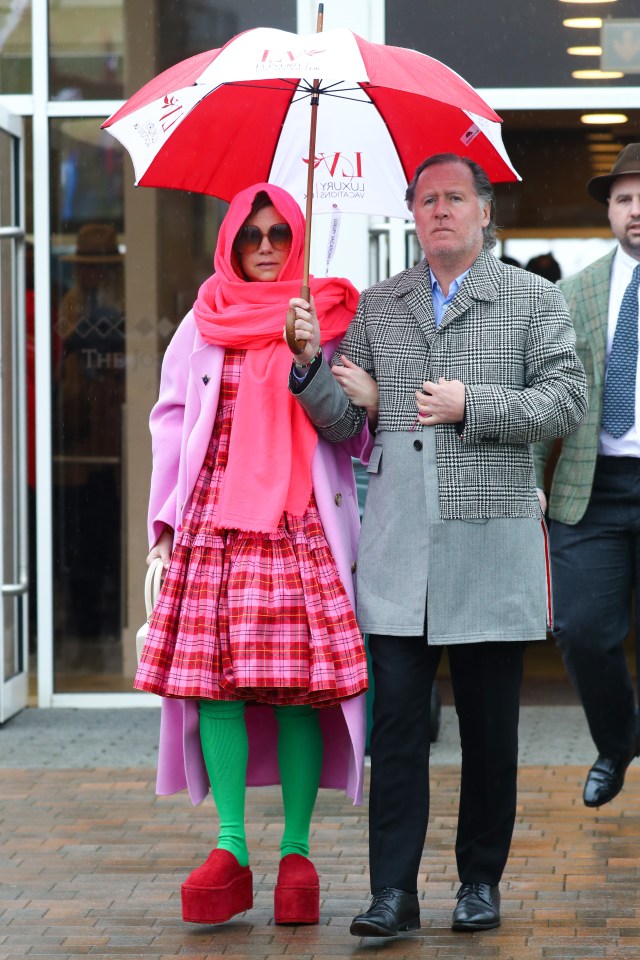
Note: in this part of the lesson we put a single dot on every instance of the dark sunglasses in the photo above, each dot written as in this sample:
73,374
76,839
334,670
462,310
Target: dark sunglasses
250,237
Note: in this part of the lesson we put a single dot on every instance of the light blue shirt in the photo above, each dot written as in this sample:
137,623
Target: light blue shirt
440,302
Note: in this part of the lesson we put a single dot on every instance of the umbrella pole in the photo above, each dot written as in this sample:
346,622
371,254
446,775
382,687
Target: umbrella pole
298,346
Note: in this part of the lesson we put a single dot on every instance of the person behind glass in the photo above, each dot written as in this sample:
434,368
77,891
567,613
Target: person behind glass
88,340
474,360
511,261
253,643
594,503
545,265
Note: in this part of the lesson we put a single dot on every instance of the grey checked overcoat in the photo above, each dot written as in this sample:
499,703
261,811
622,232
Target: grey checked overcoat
452,535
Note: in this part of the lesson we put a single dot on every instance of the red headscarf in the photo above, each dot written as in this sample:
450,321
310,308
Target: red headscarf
272,440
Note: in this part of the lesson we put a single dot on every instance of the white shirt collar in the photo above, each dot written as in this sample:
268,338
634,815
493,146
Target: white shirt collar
623,259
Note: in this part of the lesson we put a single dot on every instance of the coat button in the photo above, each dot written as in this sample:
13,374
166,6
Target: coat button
338,499
417,444
354,567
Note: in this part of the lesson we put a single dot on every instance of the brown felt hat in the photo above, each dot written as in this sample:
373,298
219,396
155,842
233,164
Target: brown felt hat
626,162
96,243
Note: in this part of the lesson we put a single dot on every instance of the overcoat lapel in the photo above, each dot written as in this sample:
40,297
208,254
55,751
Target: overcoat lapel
595,303
415,290
481,283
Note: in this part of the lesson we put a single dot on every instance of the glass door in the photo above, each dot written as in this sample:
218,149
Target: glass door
13,405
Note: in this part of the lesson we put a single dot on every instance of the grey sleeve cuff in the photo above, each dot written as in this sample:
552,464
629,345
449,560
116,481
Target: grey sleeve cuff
320,394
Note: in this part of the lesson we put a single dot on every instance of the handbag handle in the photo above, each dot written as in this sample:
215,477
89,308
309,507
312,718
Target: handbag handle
152,583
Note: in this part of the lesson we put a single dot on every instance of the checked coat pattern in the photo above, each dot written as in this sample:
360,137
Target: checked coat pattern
587,295
508,337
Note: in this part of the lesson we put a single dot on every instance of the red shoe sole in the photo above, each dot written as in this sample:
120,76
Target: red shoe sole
296,904
297,893
217,904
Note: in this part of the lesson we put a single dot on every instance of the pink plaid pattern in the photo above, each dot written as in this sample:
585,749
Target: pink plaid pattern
246,615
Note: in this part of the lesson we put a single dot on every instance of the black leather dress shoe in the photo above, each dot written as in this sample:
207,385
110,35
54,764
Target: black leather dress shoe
605,780
478,907
391,912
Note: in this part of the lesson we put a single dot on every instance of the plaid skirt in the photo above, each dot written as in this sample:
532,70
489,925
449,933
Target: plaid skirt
251,616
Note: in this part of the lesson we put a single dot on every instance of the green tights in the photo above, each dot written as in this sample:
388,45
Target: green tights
223,734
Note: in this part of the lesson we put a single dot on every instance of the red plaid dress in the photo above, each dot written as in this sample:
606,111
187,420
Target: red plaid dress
250,616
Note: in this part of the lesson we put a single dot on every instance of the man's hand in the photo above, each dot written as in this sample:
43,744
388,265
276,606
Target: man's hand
361,389
306,328
542,499
441,402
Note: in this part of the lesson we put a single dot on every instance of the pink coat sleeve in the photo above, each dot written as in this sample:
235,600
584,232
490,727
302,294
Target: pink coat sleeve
166,425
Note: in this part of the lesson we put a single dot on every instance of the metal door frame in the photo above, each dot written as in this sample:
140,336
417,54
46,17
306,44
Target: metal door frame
15,584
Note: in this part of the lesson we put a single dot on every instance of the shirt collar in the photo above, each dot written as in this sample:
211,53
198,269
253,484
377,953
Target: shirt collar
623,258
453,287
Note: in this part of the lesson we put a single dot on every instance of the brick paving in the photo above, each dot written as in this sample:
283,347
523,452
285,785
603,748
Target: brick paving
91,863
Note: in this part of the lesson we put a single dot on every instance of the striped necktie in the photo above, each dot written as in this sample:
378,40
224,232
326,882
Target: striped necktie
619,406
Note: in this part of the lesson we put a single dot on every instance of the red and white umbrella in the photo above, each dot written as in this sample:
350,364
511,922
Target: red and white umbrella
238,115
225,119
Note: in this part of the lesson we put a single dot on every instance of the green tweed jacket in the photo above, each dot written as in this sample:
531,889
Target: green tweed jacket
587,294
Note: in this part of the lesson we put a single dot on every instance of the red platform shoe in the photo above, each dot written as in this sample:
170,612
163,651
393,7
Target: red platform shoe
217,890
297,893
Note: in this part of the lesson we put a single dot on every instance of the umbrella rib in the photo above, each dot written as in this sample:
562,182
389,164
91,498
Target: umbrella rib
340,96
307,90
256,86
328,92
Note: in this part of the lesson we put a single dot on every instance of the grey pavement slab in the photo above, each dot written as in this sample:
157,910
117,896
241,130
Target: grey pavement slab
59,738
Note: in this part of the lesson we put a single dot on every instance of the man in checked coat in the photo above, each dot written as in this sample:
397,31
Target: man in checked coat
474,361
594,504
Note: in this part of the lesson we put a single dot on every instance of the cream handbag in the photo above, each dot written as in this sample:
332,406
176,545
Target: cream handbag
152,584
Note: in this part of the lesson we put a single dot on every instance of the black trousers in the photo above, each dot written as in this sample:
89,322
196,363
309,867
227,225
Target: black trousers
486,680
595,567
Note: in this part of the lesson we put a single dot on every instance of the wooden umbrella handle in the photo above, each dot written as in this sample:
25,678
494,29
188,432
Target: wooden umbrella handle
296,346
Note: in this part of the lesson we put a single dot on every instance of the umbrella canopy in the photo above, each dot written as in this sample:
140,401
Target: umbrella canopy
238,115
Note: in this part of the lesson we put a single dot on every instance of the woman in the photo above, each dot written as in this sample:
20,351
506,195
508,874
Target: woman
253,642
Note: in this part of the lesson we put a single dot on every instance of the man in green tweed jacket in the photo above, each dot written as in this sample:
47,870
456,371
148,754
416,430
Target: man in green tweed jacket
594,503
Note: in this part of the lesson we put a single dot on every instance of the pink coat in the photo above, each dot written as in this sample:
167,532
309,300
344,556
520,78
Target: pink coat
181,424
